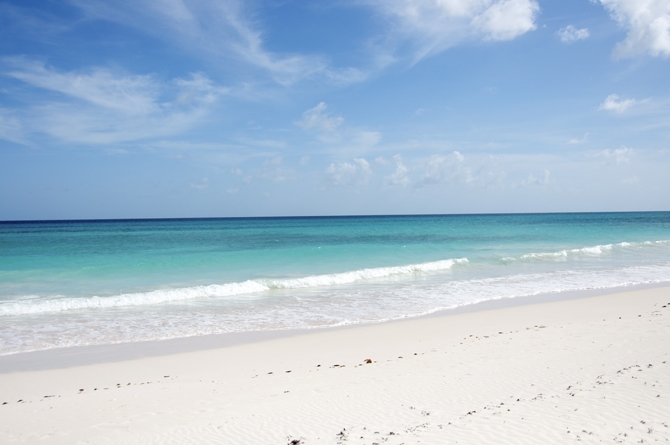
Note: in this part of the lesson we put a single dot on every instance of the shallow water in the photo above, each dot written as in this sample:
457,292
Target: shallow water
95,282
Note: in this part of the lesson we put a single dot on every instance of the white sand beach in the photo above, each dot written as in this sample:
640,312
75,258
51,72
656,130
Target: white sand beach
594,369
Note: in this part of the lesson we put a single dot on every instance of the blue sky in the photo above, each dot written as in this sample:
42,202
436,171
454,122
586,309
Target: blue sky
188,108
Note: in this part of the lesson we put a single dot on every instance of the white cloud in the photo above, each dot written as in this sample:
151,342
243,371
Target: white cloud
506,19
479,171
441,168
620,155
317,118
355,173
533,180
435,25
347,142
632,180
614,103
570,34
647,23
400,176
100,106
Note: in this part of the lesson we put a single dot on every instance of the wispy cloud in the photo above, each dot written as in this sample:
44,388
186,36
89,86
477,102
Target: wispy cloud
454,168
647,23
219,29
536,180
100,106
36,22
575,141
619,156
570,34
335,137
435,25
202,185
128,94
11,128
316,118
616,104
275,170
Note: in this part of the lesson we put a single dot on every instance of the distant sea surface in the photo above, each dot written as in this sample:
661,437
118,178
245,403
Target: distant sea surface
68,283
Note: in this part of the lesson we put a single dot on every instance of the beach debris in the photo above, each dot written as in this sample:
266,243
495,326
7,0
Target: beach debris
166,376
81,390
270,372
288,371
4,403
367,360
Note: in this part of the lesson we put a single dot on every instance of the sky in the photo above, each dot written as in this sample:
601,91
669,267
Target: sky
225,108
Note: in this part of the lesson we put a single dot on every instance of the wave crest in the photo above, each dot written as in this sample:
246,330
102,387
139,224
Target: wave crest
37,305
584,251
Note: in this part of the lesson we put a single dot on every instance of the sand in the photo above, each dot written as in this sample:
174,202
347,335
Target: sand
593,369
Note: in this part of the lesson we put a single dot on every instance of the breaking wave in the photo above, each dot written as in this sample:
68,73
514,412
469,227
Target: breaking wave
38,305
586,251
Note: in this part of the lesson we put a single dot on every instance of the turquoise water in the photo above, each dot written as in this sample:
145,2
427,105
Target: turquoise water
92,282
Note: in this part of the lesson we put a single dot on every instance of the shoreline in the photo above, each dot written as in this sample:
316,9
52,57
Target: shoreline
593,369
74,356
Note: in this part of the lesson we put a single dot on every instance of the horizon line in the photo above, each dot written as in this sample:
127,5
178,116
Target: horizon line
317,216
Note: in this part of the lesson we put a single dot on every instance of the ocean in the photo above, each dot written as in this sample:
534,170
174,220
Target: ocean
71,283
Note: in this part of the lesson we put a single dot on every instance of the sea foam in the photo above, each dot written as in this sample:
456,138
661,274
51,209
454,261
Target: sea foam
38,305
586,251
